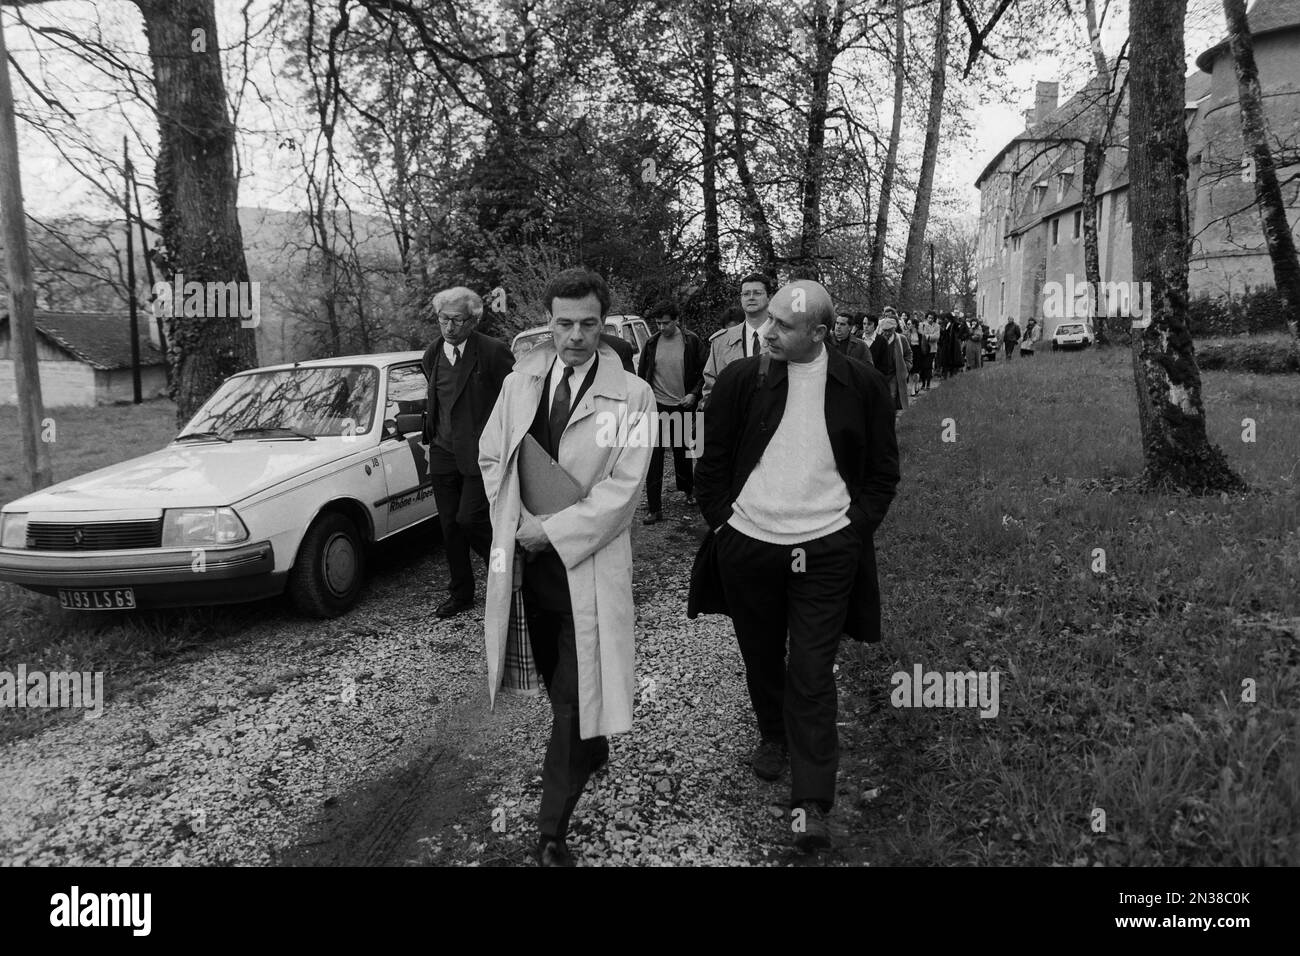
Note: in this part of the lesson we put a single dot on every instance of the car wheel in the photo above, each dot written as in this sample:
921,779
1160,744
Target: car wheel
326,578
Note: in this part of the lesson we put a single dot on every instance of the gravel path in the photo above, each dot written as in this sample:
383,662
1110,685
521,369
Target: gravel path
368,740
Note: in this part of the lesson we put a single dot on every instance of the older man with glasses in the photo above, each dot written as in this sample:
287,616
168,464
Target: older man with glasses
465,369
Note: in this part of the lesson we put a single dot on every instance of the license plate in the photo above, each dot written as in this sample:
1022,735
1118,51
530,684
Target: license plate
97,599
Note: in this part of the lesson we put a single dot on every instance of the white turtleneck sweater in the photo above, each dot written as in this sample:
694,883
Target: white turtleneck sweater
795,492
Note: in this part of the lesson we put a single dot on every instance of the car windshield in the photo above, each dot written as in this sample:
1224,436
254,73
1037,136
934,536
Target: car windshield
1069,330
526,343
320,401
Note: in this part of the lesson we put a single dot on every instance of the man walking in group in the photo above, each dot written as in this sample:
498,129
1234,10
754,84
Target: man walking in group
577,581
892,357
672,362
465,369
800,465
745,339
1011,337
845,342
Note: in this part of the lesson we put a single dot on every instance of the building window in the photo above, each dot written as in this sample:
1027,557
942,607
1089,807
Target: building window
1040,190
1056,230
1078,222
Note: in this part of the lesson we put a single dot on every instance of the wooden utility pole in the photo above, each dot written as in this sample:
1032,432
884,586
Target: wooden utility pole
22,290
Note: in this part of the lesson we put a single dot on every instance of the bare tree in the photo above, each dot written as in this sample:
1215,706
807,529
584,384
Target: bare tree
1268,193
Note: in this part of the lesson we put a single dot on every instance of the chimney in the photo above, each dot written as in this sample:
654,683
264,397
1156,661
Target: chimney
1045,96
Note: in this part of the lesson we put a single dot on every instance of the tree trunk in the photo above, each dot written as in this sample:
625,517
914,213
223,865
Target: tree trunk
1178,454
911,291
1093,153
1254,133
753,203
876,273
197,193
826,35
708,79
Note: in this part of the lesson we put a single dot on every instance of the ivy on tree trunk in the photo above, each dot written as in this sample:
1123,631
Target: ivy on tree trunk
1178,453
197,194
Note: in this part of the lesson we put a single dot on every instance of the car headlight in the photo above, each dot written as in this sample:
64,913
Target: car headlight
201,528
13,531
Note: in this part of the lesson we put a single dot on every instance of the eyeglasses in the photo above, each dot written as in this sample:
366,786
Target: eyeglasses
454,319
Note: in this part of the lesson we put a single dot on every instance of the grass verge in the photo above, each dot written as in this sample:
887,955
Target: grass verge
1162,692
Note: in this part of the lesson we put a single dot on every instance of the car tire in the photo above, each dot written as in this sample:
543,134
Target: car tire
327,576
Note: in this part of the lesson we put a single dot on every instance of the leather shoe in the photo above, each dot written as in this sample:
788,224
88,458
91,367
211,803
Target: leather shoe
553,852
453,606
653,517
600,758
769,759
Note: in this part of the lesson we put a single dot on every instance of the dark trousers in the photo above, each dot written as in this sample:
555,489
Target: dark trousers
773,591
654,482
1011,349
570,760
466,520
925,368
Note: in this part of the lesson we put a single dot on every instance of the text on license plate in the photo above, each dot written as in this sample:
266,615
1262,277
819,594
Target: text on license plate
97,599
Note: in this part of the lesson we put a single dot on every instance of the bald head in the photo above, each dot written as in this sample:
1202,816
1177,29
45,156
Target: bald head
803,300
801,313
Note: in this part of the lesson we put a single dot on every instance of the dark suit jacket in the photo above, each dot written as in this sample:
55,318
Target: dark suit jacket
853,347
484,364
693,356
741,419
622,347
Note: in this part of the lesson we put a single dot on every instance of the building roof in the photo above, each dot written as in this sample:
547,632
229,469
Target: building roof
100,339
1265,16
1071,120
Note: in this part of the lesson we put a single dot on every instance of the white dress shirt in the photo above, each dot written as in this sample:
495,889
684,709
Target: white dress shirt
575,382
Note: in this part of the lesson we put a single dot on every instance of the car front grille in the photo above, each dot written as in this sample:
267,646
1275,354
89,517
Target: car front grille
94,536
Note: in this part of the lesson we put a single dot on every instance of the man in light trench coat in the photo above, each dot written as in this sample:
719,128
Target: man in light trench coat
574,397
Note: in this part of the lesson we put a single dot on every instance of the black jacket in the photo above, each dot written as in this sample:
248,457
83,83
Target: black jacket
852,346
622,348
693,356
741,419
484,364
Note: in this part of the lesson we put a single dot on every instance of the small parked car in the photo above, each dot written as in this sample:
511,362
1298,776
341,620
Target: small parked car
279,482
631,328
1071,335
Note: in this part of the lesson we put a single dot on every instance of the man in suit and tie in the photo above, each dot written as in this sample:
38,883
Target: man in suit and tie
569,395
745,339
465,369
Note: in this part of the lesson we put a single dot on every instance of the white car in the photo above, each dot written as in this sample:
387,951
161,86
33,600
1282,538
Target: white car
279,482
630,328
1071,335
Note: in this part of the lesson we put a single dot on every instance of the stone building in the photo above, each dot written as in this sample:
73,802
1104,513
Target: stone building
1031,249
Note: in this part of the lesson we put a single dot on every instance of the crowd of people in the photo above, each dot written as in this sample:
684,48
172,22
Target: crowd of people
799,463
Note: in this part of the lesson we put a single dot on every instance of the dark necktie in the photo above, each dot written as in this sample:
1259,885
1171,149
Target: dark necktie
560,410
754,350
455,353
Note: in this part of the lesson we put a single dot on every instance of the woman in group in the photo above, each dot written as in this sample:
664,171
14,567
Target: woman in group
974,347
1029,338
928,330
